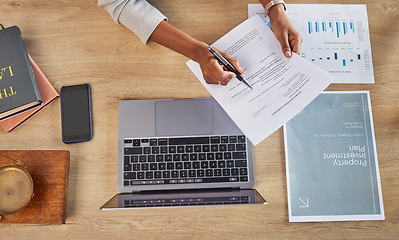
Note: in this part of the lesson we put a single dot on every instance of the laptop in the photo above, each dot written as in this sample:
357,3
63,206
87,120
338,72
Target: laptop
181,153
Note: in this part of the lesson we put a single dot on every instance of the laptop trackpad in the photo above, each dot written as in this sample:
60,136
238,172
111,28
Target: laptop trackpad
183,117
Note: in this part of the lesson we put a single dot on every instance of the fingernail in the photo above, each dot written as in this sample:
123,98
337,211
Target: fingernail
287,53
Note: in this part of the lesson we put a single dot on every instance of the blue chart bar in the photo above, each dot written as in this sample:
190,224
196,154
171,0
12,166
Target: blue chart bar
336,27
344,61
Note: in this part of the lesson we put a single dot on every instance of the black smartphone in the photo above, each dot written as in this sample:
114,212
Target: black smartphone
76,119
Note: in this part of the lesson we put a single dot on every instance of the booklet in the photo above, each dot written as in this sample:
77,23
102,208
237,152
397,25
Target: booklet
335,37
331,160
282,86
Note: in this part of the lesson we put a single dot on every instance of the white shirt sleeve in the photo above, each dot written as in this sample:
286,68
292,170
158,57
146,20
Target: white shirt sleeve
137,15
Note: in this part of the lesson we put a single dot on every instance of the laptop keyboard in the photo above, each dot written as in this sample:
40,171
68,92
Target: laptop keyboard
151,161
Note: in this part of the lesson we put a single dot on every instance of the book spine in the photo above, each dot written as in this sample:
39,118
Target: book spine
27,62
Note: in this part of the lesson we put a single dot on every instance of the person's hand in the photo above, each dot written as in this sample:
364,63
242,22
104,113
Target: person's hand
212,71
285,32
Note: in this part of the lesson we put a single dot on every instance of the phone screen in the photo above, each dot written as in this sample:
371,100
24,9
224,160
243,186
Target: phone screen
76,113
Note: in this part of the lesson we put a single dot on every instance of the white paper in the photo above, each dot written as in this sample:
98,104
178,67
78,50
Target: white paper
335,37
282,86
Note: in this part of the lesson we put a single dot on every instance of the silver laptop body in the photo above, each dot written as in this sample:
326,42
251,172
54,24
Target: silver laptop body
169,118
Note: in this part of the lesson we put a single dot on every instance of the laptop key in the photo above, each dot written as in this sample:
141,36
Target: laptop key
230,163
153,142
162,166
196,165
166,174
136,167
153,166
136,142
154,150
129,175
185,157
200,173
244,179
241,147
147,150
151,158
239,155
189,140
163,141
134,150
170,166
192,173
157,174
204,164
240,163
226,172
197,148
144,166
143,158
164,149
180,149
134,159
172,149
215,139
187,165
243,171
183,173
140,175
159,158
127,167
149,175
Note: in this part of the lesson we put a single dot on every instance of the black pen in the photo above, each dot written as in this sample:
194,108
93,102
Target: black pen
228,65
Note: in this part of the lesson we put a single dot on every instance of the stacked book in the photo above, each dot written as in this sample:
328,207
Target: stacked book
24,89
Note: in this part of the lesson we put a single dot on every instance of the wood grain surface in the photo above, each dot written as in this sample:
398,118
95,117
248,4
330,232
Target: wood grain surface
76,42
49,170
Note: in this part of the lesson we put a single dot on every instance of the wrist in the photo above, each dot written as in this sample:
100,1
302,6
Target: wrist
276,11
273,6
199,51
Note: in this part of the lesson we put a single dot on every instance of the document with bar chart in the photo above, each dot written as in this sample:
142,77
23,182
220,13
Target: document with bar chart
335,38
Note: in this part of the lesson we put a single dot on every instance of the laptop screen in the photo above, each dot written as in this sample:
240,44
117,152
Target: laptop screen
184,198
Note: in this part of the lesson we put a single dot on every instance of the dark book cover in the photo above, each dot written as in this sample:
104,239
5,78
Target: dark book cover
18,88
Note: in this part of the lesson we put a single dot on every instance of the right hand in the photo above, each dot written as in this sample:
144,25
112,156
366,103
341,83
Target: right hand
212,71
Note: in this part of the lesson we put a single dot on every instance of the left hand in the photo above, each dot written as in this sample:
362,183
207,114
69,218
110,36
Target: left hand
285,32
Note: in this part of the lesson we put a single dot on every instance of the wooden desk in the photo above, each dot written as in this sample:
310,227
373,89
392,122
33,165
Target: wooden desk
77,42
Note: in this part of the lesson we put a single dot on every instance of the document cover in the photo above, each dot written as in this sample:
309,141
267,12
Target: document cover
331,160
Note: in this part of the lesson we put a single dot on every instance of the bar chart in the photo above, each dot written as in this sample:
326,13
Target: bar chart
335,38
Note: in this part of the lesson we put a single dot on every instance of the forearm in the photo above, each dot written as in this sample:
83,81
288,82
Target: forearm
178,41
